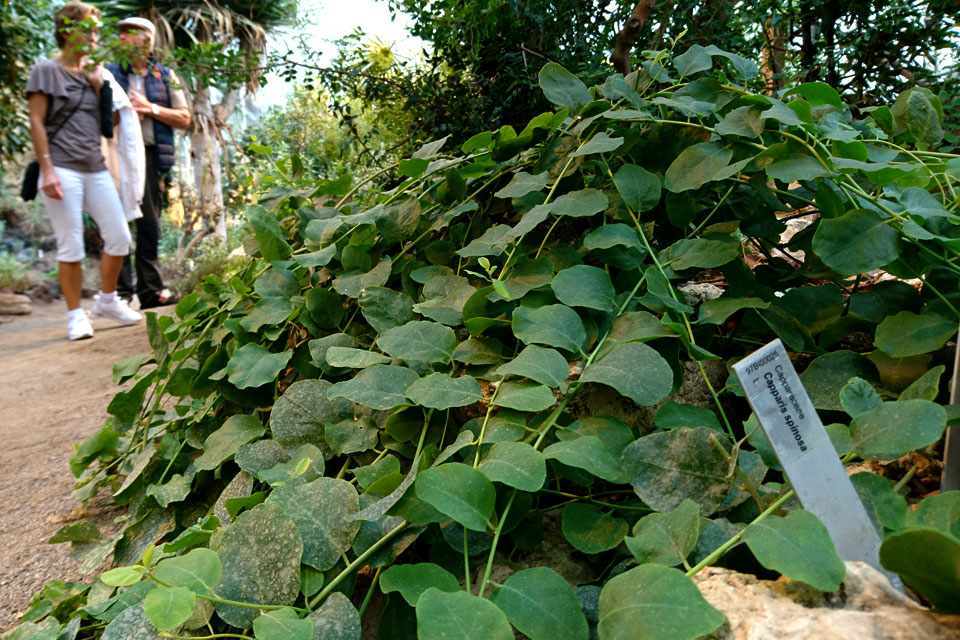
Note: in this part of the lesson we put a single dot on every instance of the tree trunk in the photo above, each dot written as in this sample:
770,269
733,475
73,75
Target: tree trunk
628,35
772,56
206,151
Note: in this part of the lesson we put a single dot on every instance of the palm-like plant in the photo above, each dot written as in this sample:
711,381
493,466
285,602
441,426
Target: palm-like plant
202,34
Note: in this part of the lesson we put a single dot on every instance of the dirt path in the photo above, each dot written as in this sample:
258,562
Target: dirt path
53,394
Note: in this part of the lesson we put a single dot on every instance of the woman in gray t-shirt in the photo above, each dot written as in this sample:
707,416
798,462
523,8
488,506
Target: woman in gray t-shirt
63,95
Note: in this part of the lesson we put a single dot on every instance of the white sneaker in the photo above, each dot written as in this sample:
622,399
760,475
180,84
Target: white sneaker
78,327
118,311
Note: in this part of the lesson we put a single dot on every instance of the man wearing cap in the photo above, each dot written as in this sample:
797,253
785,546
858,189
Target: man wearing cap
155,94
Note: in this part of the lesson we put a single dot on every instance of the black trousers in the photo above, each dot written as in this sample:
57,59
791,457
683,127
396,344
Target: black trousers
149,281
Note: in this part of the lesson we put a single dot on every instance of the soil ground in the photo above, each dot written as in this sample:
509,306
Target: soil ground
53,394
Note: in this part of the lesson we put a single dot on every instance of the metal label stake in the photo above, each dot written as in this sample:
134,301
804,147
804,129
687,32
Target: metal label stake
805,452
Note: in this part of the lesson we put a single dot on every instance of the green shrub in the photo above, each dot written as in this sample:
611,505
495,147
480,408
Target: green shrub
409,384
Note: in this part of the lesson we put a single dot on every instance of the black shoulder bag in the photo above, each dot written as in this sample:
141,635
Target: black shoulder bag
31,177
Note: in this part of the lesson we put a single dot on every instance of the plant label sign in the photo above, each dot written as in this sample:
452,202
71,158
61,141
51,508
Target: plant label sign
805,452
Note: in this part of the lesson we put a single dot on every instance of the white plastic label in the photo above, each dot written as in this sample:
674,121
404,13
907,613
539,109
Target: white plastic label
802,446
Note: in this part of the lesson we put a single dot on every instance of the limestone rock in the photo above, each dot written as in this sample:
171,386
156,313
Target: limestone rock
14,304
866,607
696,292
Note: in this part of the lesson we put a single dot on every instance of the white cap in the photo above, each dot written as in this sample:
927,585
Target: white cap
138,23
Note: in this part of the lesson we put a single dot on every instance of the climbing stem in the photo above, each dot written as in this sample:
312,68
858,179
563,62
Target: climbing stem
493,547
735,540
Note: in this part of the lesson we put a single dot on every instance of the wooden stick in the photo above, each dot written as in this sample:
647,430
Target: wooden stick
950,480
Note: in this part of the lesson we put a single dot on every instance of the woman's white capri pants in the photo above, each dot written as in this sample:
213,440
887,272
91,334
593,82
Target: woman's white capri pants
96,194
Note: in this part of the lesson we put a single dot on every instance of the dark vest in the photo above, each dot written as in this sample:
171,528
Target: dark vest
155,85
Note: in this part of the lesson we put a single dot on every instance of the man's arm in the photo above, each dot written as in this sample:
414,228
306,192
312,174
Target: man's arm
178,118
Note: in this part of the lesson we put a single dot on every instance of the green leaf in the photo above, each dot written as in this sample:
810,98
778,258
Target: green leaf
267,312
818,93
639,188
321,510
122,576
926,387
799,547
563,88
742,121
908,334
276,283
411,580
459,492
459,615
353,283
894,429
886,507
654,602
673,415
168,608
600,143
613,235
325,307
399,220
635,370
351,358
666,467
270,236
385,309
555,325
696,166
382,386
584,286
126,405
441,391
131,624
918,111
282,624
587,453
590,530
253,366
524,396
694,59
83,531
794,167
199,570
123,370
928,560
176,489
515,464
301,414
261,554
666,538
702,253
920,203
352,435
542,605
856,242
523,183
540,364
858,396
717,311
479,351
336,619
941,511
826,375
430,149
576,204
220,445
528,275
445,297
420,341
